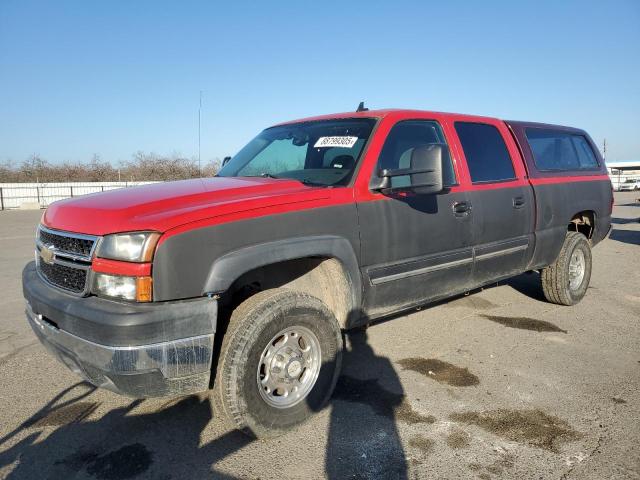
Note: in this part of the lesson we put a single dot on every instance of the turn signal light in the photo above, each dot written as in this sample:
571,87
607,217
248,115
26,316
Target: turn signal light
144,289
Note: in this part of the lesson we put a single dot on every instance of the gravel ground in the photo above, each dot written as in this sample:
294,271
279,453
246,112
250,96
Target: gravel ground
497,384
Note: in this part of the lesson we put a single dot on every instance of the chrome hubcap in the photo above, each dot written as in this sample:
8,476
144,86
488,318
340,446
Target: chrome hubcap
576,269
289,367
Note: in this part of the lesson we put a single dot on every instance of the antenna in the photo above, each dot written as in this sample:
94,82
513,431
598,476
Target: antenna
362,108
604,149
199,115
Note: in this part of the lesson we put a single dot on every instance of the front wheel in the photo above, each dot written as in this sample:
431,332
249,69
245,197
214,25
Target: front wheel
279,362
565,281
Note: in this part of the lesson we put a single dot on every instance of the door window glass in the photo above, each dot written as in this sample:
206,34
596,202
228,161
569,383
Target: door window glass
402,139
486,153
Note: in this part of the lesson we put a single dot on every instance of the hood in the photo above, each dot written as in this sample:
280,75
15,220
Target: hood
163,206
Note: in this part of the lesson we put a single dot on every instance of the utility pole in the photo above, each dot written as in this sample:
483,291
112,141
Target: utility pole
199,116
604,149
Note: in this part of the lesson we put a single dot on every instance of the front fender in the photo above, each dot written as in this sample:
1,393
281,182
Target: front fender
207,259
226,269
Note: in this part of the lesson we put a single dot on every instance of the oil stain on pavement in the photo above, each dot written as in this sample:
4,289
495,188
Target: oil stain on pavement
525,323
422,443
533,427
458,438
496,468
405,413
440,371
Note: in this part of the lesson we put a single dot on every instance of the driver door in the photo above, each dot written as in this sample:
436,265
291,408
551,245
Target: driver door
414,247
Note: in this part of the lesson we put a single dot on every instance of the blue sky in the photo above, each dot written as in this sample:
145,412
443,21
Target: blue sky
112,78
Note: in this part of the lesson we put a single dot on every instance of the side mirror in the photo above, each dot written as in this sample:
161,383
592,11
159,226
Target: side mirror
427,162
225,160
425,172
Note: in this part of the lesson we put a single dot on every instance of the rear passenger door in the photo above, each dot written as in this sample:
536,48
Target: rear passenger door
501,200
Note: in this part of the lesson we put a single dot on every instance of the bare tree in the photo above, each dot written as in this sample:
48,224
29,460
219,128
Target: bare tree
142,167
35,169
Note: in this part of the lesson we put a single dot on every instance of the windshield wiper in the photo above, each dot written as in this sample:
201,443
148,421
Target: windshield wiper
268,175
263,175
301,180
311,183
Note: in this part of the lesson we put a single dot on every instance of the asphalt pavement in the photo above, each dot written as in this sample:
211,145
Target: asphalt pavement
496,384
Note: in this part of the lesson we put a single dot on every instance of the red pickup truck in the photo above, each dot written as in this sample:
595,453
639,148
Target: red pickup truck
245,282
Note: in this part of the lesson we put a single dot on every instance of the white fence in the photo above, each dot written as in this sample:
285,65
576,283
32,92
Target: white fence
41,195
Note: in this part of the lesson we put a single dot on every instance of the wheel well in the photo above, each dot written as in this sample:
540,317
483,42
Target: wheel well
583,222
324,278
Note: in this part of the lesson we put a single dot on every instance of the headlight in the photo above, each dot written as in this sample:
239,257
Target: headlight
136,289
129,247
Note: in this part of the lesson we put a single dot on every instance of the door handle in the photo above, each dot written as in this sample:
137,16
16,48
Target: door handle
461,209
518,202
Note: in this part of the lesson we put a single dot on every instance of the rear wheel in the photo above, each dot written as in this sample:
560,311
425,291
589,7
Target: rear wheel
565,281
279,362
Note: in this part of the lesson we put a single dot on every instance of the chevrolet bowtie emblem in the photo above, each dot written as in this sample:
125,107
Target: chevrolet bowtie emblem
47,255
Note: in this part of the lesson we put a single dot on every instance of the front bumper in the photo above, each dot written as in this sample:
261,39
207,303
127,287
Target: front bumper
143,355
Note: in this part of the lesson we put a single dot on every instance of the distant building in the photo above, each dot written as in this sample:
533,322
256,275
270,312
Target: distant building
628,167
620,172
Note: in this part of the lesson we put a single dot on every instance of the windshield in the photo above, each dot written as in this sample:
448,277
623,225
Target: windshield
322,153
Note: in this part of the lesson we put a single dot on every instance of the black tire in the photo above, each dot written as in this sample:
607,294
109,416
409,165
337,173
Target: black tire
556,280
252,326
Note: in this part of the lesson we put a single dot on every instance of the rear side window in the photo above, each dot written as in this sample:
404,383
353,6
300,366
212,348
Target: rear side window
486,153
560,150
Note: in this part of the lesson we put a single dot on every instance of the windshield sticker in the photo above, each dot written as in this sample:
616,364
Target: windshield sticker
344,142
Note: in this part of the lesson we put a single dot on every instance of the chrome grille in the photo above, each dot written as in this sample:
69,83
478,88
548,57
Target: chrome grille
64,259
76,244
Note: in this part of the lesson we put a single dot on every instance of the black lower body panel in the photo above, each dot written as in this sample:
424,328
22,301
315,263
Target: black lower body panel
157,349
